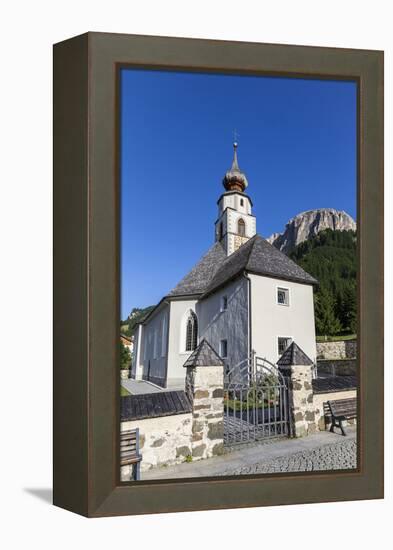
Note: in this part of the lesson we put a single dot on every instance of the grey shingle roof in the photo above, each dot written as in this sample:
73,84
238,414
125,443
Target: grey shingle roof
204,356
268,260
258,256
293,355
198,278
255,256
153,405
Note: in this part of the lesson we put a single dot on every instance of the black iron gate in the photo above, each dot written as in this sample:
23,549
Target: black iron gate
256,402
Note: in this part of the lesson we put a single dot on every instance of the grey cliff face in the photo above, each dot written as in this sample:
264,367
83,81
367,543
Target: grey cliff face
305,225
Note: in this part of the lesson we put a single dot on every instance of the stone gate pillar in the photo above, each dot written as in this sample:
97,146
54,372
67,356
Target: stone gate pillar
205,390
296,367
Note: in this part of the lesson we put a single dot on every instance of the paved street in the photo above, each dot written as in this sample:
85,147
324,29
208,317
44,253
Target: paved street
322,451
138,387
329,457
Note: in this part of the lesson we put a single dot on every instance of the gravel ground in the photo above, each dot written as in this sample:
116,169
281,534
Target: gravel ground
338,456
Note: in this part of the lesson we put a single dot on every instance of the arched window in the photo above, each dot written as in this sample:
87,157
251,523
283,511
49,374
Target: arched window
241,227
191,332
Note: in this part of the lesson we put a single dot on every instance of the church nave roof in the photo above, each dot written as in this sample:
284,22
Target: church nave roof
259,257
255,256
197,280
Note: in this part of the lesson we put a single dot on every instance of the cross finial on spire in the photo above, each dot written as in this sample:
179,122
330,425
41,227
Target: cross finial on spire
235,136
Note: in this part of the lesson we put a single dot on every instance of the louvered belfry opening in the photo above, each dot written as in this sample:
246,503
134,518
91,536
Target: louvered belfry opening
241,227
192,332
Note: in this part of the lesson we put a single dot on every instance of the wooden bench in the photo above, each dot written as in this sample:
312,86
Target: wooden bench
342,409
129,451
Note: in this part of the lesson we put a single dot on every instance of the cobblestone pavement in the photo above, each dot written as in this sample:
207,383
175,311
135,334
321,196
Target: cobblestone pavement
338,456
320,451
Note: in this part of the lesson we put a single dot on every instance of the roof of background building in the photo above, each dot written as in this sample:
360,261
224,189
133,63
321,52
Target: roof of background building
153,405
204,356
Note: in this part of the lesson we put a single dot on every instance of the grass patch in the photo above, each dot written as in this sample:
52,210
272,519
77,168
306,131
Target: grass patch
336,338
243,405
123,391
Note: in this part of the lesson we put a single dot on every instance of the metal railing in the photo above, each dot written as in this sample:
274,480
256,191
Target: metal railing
255,402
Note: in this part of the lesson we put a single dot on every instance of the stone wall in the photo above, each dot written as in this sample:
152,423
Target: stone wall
310,411
302,408
169,440
321,407
204,387
162,441
342,349
336,367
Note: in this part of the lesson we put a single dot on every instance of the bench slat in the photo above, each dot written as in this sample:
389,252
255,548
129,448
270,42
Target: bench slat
129,450
344,407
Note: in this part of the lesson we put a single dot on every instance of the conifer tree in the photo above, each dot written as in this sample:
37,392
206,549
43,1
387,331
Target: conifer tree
125,357
326,321
349,308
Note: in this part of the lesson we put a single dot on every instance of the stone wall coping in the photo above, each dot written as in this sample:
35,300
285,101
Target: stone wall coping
154,405
334,384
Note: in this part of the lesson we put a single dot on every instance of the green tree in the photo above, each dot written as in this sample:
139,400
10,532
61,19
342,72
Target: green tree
125,357
326,322
348,308
330,256
136,316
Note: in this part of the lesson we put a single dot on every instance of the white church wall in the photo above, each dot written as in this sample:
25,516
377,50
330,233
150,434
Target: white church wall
177,355
231,325
137,366
234,201
249,221
154,352
269,320
223,221
227,201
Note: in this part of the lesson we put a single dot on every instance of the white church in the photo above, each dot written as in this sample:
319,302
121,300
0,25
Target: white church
242,295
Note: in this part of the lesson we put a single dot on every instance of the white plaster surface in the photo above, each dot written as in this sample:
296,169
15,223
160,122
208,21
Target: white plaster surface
271,320
177,355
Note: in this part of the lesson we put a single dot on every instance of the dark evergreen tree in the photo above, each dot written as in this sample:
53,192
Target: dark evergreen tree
330,256
326,321
349,316
125,357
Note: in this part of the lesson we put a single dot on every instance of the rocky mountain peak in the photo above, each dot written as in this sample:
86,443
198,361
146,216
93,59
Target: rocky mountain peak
309,223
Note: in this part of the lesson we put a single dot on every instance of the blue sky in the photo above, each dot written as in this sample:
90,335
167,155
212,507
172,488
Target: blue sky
297,146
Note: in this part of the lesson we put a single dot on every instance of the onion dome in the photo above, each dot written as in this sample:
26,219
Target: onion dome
234,179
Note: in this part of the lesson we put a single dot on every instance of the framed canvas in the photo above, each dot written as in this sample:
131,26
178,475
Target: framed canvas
251,368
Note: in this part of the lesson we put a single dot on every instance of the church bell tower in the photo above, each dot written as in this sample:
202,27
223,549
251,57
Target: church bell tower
235,224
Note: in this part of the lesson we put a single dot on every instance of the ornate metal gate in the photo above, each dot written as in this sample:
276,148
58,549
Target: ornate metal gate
256,402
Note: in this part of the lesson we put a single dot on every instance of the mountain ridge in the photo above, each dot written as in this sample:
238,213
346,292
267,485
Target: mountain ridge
309,223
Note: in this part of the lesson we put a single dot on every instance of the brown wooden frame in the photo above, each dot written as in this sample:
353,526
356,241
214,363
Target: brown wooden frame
86,274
